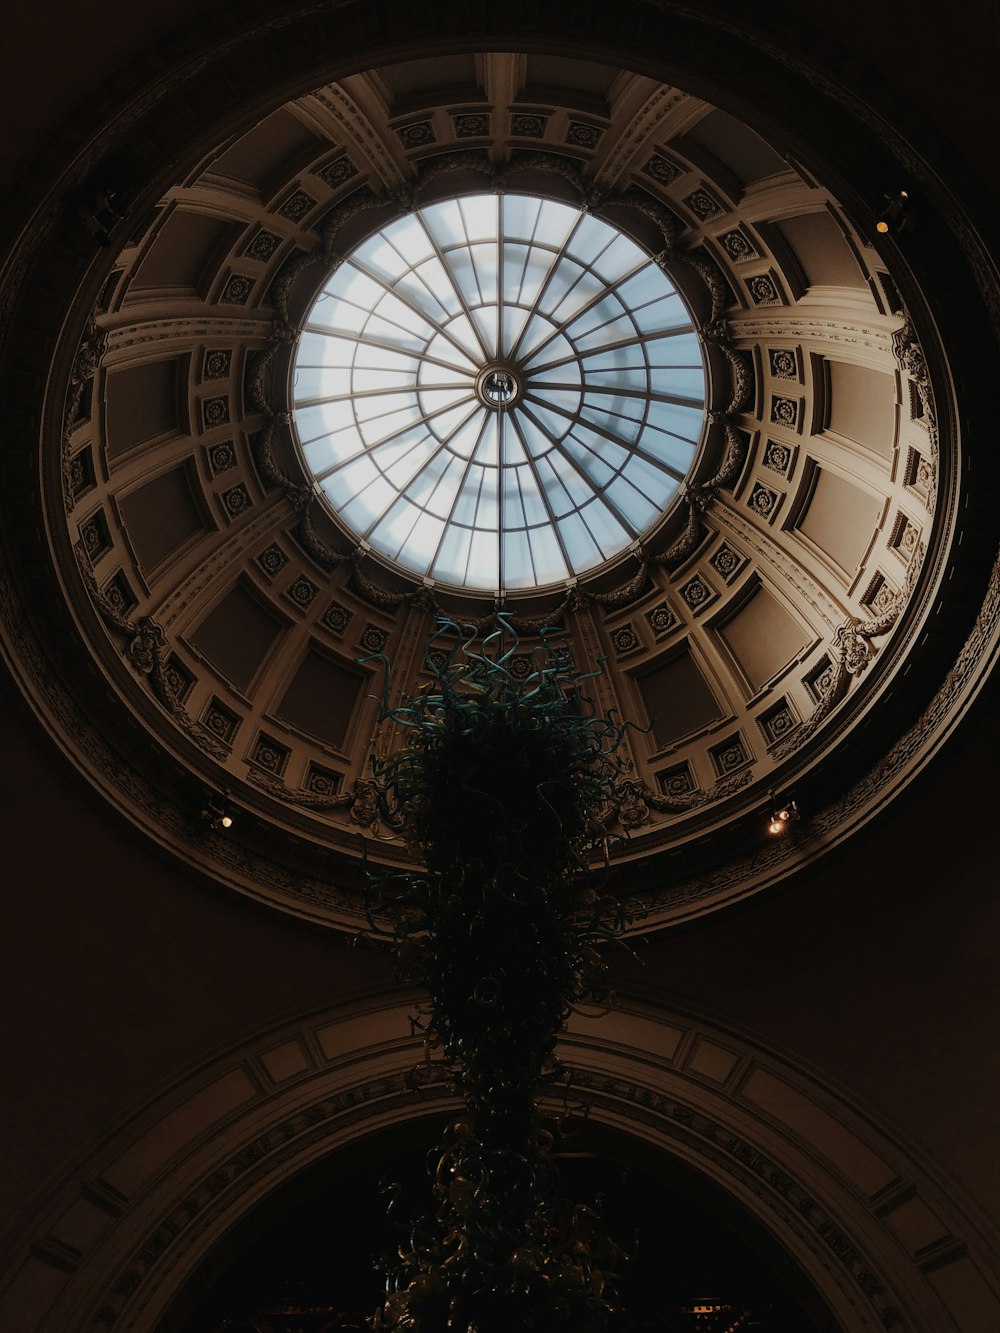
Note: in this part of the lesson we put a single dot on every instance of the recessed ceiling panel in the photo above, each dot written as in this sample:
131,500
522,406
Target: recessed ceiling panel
258,155
736,146
322,697
237,634
143,403
862,405
186,251
820,248
762,636
840,519
163,515
677,698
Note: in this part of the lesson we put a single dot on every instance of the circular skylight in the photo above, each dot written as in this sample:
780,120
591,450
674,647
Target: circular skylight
499,392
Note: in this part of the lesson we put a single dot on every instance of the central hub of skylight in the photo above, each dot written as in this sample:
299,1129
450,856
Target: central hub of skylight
499,392
499,387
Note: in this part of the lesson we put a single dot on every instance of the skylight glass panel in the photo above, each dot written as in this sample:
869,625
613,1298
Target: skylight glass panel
498,392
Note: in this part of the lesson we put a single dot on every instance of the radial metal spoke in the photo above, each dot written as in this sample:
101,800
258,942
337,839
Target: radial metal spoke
369,341
577,315
616,345
633,448
458,493
407,300
456,287
403,390
546,284
543,495
373,344
371,449
618,391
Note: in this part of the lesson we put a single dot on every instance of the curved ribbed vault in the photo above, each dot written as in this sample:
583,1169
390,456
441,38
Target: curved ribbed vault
779,601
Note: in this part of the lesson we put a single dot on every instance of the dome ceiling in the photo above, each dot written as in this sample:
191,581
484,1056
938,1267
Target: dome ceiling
765,613
499,392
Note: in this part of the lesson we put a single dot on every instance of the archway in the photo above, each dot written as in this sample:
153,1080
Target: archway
880,1236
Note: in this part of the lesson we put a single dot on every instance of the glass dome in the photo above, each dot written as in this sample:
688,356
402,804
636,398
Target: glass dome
499,392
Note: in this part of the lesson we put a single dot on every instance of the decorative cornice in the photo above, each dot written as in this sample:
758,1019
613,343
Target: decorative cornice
633,811
361,798
690,538
634,196
360,132
443,164
639,133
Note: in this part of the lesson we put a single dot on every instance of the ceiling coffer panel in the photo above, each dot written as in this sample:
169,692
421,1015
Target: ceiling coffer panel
144,403
862,406
322,697
238,633
185,254
677,698
763,637
164,514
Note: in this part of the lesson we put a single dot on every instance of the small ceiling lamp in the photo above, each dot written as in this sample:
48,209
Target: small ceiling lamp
216,813
781,818
895,215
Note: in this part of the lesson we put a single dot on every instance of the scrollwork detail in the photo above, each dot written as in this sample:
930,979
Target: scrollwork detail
626,594
912,362
442,164
658,213
690,538
146,650
713,278
743,378
263,454
273,786
853,653
530,159
312,543
732,460
697,797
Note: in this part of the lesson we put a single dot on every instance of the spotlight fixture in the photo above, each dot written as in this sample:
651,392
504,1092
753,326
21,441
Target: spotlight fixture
894,215
781,818
216,812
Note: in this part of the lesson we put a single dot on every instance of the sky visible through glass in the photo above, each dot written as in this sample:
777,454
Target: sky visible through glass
509,483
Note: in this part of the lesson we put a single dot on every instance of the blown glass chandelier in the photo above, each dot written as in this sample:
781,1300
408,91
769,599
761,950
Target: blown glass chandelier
502,793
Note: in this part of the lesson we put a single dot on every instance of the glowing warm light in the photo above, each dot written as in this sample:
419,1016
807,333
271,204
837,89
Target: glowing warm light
781,819
882,226
214,815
